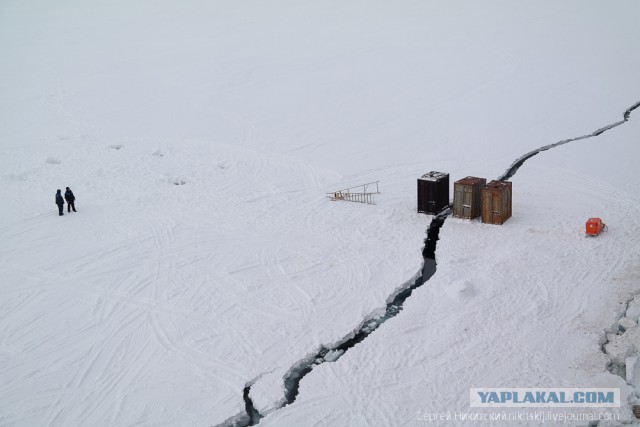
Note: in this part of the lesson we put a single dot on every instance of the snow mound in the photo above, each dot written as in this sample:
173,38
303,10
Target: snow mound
633,373
633,310
625,324
620,347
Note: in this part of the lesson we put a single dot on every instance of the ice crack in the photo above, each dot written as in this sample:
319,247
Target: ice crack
520,160
252,412
332,353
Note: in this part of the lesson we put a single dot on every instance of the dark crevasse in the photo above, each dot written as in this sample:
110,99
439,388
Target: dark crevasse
520,160
330,354
252,413
393,307
250,416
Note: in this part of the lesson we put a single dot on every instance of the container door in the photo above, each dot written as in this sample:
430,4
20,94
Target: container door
491,212
497,210
468,202
487,203
431,197
422,196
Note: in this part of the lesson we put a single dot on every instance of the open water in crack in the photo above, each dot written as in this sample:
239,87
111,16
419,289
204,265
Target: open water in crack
330,354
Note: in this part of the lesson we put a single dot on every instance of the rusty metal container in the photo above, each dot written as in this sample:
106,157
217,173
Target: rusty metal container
467,197
496,202
433,192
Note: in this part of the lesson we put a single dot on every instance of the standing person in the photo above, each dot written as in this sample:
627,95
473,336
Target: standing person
70,198
60,202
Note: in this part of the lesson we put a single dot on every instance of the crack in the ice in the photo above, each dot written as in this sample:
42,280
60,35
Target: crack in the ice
520,160
250,416
252,412
627,113
394,306
330,354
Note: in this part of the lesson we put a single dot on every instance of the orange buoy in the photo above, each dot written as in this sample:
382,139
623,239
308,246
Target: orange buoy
595,226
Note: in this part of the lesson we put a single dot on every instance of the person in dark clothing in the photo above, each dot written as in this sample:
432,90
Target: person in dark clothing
60,202
70,198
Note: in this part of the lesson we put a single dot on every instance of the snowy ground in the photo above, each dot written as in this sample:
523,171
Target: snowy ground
200,141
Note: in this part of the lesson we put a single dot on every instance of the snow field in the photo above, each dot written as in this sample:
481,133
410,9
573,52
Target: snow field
157,303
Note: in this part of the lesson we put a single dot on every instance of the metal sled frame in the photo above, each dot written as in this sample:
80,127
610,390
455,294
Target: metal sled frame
359,193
